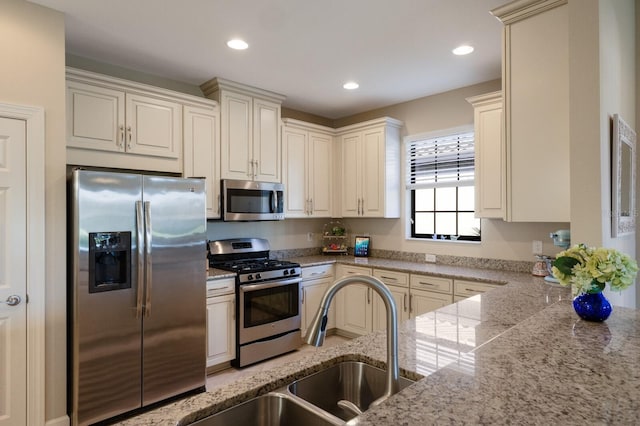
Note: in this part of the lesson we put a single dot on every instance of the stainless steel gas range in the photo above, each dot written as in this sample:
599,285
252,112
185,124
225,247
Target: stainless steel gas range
267,298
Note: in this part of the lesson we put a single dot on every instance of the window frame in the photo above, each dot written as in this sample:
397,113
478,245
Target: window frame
411,191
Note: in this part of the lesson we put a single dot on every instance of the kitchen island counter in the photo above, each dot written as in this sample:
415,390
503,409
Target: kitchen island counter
517,354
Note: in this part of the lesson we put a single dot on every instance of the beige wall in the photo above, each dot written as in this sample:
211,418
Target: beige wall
32,73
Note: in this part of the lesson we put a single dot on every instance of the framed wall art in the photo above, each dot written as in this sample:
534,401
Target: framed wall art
623,178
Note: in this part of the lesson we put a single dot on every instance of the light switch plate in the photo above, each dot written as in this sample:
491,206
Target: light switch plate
430,258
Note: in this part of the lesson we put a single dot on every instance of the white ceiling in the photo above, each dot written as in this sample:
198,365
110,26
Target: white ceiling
397,50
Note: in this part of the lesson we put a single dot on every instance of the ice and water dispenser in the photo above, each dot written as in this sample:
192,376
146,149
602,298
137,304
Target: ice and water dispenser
109,261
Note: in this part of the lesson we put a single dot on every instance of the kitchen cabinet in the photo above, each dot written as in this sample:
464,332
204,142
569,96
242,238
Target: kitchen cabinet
221,321
370,168
429,293
307,164
465,288
490,156
250,146
315,281
122,124
202,152
398,284
354,308
536,109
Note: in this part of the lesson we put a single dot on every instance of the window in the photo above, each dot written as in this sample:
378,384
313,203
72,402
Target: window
440,179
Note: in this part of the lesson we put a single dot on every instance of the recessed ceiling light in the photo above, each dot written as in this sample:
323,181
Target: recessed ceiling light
351,85
462,50
237,44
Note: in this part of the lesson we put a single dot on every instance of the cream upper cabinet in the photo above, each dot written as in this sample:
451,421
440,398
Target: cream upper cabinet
490,156
370,168
307,164
536,109
202,151
250,145
117,123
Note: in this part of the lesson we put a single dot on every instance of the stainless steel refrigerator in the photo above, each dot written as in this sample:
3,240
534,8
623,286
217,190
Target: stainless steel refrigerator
137,293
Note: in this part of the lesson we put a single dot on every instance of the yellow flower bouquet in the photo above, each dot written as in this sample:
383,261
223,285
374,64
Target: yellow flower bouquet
588,269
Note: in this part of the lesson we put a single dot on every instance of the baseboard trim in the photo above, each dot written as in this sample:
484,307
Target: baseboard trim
60,421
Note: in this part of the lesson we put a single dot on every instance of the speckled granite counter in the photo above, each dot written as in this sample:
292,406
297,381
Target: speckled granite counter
515,355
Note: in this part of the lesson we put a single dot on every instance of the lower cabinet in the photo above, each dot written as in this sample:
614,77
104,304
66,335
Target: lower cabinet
315,281
429,293
354,306
398,284
221,321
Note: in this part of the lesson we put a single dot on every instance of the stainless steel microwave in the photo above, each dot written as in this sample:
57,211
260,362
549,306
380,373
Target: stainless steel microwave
246,200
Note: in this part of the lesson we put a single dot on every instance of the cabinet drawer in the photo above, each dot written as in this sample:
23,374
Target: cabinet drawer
469,288
424,282
343,270
391,277
219,286
316,272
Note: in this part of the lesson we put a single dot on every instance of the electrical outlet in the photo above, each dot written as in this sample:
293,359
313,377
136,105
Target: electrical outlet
430,258
537,247
309,236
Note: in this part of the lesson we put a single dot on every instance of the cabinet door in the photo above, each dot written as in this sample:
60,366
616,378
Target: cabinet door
221,335
295,172
401,297
320,174
425,301
266,141
154,126
95,117
236,130
490,157
372,170
350,145
354,309
202,153
312,293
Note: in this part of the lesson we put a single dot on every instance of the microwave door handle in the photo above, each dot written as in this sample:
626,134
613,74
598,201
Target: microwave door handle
274,201
148,259
140,250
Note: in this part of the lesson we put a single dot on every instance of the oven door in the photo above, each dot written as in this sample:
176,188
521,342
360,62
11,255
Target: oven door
268,309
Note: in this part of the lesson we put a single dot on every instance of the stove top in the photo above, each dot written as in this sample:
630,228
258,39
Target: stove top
249,258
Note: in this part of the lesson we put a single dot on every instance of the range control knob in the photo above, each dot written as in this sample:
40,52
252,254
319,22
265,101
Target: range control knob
292,272
258,276
250,277
286,272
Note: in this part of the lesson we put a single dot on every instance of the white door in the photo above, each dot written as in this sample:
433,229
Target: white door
13,250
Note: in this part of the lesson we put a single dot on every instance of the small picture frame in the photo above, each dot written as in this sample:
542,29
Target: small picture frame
361,246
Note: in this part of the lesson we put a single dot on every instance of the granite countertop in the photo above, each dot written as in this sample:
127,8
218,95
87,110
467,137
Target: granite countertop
517,354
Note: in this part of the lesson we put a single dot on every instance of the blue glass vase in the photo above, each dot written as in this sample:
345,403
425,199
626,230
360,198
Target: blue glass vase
592,307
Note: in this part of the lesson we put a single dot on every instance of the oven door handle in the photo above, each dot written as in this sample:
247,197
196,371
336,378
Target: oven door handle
244,288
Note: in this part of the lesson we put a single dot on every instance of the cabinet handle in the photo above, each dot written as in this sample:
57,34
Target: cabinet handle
121,144
311,206
218,203
410,303
368,296
250,171
388,278
255,168
302,296
129,137
361,206
427,284
472,290
404,302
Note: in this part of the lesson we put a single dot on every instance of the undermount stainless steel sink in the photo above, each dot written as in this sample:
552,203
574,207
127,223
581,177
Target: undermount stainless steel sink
313,400
355,382
268,410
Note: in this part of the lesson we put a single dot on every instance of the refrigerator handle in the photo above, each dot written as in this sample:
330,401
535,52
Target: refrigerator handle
147,266
140,248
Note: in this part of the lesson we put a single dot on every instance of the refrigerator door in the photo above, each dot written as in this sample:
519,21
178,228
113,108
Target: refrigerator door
105,328
174,319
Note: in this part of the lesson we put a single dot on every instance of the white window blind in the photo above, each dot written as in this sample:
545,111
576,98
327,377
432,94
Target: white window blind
441,161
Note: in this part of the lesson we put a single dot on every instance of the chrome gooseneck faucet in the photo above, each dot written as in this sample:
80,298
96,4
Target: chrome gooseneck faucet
316,333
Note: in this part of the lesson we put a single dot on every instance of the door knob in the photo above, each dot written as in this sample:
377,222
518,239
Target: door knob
13,300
